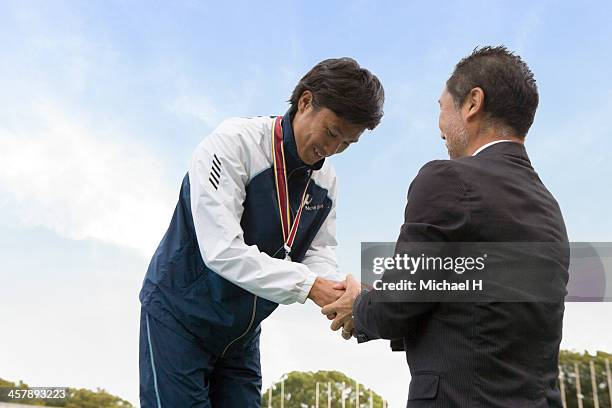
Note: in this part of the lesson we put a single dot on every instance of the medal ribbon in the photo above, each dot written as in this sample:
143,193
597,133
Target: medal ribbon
282,189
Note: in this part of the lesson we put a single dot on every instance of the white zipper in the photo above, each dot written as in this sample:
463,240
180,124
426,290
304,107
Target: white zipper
247,329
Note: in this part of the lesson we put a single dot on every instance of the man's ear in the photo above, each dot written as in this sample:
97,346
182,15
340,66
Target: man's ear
305,101
474,104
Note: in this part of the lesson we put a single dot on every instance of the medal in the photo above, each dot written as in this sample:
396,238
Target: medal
282,189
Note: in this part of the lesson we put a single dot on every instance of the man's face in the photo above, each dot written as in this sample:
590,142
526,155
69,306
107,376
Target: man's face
320,133
452,126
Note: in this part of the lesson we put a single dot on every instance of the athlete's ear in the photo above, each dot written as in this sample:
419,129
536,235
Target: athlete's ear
305,101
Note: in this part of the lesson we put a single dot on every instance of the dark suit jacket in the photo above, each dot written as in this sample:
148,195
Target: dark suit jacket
478,354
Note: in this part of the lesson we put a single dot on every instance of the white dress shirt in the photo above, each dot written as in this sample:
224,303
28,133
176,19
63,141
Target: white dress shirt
481,148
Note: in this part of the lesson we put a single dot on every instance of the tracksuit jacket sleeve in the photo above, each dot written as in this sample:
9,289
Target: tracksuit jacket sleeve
216,215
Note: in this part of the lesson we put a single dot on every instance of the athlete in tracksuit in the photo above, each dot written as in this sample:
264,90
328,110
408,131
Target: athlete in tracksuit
230,257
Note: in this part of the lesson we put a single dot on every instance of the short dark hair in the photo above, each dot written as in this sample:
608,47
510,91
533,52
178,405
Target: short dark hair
341,85
510,90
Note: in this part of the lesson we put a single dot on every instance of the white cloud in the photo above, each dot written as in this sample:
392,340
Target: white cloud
584,327
84,296
61,172
198,107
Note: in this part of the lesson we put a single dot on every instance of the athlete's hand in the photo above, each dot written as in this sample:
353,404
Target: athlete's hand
341,311
324,292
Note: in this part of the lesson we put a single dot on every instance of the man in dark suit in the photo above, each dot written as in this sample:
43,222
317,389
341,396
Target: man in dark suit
487,353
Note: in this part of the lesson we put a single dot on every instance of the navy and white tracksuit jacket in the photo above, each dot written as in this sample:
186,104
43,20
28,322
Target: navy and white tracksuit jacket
219,269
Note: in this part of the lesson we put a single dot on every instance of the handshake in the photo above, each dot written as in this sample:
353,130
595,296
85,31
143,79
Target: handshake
336,300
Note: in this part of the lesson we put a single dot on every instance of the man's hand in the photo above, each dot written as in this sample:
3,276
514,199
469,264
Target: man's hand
324,291
348,328
343,307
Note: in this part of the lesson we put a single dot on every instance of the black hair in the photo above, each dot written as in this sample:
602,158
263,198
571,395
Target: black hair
341,85
510,90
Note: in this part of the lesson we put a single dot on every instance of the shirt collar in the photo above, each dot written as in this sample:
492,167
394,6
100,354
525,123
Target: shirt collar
481,148
292,158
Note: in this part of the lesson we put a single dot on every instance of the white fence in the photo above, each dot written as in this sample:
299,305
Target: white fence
323,399
595,385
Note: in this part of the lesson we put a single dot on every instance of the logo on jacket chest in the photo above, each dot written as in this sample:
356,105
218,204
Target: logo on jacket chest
309,206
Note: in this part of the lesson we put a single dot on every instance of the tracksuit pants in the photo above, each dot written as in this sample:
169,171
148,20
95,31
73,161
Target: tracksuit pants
176,371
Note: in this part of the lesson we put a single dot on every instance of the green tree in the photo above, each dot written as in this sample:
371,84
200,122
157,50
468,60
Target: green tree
567,359
300,391
4,397
75,398
83,398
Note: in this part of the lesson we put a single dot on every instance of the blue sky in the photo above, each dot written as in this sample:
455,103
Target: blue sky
104,102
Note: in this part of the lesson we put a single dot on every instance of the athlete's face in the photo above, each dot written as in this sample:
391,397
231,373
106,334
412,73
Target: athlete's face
320,133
